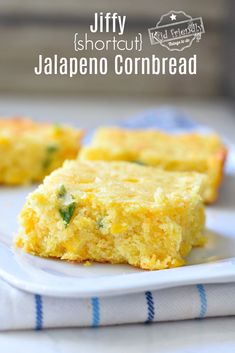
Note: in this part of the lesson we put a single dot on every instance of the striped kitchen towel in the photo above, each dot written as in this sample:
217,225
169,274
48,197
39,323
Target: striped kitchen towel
20,310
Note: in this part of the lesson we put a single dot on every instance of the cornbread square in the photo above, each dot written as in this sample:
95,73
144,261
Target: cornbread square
184,152
115,212
30,150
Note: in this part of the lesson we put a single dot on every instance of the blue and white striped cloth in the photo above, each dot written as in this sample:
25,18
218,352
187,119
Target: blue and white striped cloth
21,310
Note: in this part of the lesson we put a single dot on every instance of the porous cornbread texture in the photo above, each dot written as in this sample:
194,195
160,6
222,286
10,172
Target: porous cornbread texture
30,150
115,212
184,152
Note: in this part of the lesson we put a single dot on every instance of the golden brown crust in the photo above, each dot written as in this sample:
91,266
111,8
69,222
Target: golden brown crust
21,124
220,155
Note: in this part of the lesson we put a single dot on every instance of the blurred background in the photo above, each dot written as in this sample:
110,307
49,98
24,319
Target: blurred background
29,28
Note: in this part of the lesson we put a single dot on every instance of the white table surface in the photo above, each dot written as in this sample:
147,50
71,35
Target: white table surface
199,336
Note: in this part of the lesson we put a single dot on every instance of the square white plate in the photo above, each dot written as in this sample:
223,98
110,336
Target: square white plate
215,263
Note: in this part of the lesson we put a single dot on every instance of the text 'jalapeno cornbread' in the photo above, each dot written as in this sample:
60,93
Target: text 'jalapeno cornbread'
30,150
184,152
115,212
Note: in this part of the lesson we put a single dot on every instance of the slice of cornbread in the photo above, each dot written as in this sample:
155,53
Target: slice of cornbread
114,212
30,150
185,152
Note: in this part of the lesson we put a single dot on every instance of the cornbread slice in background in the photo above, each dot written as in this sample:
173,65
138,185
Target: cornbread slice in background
30,150
115,212
184,152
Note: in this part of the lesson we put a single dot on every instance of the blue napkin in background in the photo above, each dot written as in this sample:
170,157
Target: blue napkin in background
164,118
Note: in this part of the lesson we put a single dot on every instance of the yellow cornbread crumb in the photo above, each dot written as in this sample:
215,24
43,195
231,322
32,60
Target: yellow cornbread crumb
30,150
115,212
184,152
87,263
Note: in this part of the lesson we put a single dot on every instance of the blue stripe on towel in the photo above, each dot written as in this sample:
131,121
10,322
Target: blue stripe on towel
150,307
38,312
95,302
203,301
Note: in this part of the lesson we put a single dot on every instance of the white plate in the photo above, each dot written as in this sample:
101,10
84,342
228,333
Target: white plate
215,263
